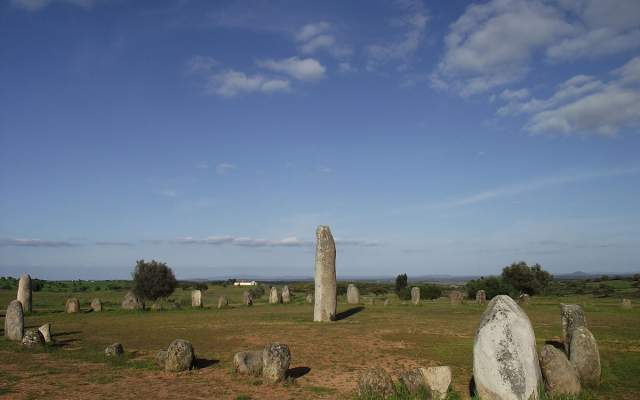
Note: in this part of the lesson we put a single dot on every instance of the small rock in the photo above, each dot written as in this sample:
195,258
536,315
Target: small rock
96,305
72,306
248,362
560,376
45,330
32,338
276,358
585,357
375,382
114,350
180,356
438,380
132,302
223,302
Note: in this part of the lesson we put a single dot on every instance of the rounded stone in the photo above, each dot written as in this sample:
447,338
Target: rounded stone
180,356
456,297
286,294
309,298
375,382
248,362
585,356
32,338
353,294
325,300
161,358
223,302
72,306
24,293
132,302
14,321
45,330
276,358
196,298
505,360
438,380
415,295
560,377
274,297
481,297
572,317
114,350
96,305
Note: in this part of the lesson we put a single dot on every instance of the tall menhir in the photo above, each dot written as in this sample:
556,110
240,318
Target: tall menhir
325,276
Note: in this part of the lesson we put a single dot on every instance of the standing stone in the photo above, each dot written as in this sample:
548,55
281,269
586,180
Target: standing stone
24,293
248,362
456,297
247,299
157,306
274,297
353,294
45,330
96,305
325,276
375,383
438,380
114,350
32,338
626,304
481,297
560,377
276,358
161,358
386,302
505,360
132,302
223,302
14,321
523,299
286,295
196,298
310,298
585,357
180,356
572,317
72,306
415,295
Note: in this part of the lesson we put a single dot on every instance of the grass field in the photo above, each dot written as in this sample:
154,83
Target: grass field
327,357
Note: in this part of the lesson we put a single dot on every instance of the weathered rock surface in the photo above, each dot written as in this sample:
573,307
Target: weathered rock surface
626,304
247,299
505,360
572,317
353,294
161,358
560,377
14,321
24,293
286,294
325,276
386,302
413,380
45,330
276,358
375,382
309,298
438,380
180,356
114,350
223,302
456,297
32,338
248,363
196,298
481,297
415,295
72,306
274,297
96,305
585,356
132,302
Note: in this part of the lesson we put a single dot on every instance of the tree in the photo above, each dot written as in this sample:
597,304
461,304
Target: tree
153,280
530,280
401,282
492,285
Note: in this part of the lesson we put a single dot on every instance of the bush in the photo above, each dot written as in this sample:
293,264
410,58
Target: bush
404,294
201,286
430,292
492,285
153,280
530,280
257,291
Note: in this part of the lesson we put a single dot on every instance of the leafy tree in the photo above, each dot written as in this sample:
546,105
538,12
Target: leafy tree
153,280
201,286
430,292
530,280
401,282
492,285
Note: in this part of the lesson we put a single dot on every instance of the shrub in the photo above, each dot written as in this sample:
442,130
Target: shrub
404,294
401,282
530,280
153,280
257,291
430,292
492,286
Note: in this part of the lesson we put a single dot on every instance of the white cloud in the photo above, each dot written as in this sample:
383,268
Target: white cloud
202,165
37,5
231,83
291,241
317,37
493,44
345,67
630,72
35,243
303,69
310,30
414,23
224,168
201,64
514,94
167,192
113,243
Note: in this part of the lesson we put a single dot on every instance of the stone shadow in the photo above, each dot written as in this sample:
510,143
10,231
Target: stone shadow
297,372
555,343
347,313
200,363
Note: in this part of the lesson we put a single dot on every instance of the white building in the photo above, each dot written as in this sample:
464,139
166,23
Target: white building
245,283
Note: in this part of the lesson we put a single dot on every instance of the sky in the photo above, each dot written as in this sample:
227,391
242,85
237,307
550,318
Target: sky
432,137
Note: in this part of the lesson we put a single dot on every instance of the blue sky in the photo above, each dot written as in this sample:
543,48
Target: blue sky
433,137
